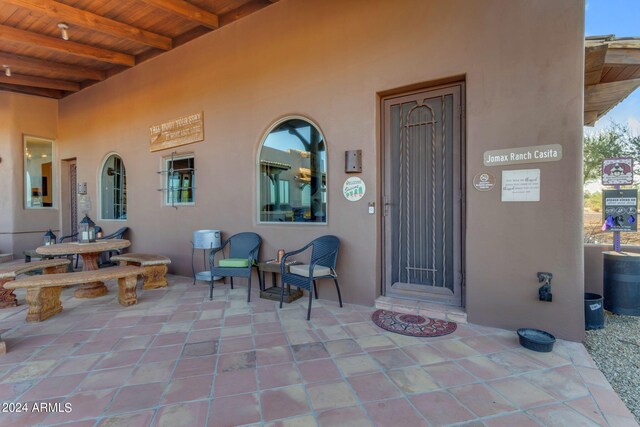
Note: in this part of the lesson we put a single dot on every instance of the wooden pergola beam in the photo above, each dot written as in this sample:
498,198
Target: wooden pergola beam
38,65
47,93
621,57
22,80
594,58
65,46
187,11
93,22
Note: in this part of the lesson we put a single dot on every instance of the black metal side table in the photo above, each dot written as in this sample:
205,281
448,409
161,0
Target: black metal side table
274,292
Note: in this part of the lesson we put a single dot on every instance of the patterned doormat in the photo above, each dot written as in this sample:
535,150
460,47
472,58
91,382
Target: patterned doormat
411,324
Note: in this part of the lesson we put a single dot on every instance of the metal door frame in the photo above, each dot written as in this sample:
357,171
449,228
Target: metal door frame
385,179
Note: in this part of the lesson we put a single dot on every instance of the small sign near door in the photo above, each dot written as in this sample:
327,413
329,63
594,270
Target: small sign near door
354,189
484,181
521,185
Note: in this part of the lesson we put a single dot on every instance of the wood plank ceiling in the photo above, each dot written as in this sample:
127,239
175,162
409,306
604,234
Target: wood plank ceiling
105,37
612,72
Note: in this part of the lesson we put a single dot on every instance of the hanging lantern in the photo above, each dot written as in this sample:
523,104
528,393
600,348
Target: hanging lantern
49,238
87,232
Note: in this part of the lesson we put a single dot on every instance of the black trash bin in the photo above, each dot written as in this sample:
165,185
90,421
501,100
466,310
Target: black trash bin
593,311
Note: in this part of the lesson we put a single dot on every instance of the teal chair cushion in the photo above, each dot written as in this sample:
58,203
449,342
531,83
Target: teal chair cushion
234,262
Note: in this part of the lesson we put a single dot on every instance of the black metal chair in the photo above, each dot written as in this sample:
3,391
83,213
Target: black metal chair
244,250
118,234
324,253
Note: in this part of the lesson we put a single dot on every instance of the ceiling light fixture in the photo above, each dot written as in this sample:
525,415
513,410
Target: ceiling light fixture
7,70
63,28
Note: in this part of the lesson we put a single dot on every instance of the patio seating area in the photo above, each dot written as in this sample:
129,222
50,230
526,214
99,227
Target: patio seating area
177,358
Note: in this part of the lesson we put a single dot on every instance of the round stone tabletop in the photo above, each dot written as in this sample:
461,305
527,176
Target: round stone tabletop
83,248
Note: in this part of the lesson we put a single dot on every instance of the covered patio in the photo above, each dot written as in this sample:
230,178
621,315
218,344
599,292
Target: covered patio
178,359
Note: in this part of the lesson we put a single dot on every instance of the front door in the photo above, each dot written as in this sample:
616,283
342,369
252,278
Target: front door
422,137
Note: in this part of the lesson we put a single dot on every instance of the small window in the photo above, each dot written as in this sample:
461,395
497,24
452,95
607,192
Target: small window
293,174
38,173
179,184
113,189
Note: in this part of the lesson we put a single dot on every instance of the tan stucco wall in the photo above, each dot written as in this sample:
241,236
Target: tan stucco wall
20,115
327,60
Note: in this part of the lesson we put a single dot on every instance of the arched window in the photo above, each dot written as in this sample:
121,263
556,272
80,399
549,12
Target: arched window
292,173
113,189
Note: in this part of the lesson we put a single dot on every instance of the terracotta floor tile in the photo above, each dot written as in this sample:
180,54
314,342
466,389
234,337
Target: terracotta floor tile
273,356
89,404
563,383
199,349
278,376
482,344
374,387
236,361
375,342
271,340
617,421
609,402
448,374
358,330
32,417
152,372
394,413
521,392
182,415
136,397
343,347
560,415
518,419
309,351
142,418
334,394
106,378
482,400
356,365
440,408
392,359
235,382
319,370
170,339
234,345
283,402
454,349
53,387
74,365
413,380
424,354
160,354
186,389
484,368
587,407
30,371
343,417
514,362
194,366
119,358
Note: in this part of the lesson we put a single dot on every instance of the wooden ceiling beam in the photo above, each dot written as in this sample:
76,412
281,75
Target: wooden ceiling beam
65,46
594,58
22,80
47,93
187,11
242,11
38,65
91,21
621,57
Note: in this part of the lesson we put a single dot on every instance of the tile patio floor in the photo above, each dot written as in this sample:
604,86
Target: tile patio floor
178,359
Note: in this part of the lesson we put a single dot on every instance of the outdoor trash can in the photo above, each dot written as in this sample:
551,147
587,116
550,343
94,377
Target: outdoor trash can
593,311
622,283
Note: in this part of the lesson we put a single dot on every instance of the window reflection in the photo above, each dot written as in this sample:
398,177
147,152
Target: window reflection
293,175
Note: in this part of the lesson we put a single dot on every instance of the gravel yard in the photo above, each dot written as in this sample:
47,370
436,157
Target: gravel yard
616,351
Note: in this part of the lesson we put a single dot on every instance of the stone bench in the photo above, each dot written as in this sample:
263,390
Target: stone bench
43,292
9,272
155,268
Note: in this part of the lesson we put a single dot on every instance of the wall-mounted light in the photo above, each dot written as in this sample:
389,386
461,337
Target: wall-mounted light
353,161
110,171
63,30
7,70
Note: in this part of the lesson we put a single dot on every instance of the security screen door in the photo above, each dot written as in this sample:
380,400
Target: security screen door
422,136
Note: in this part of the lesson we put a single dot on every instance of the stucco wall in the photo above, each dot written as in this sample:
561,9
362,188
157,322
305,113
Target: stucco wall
21,228
328,60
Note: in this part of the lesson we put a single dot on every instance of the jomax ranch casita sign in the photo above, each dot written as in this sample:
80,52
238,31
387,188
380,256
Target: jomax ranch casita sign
513,156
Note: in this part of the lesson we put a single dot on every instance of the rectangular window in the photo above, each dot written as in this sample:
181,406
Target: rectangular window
179,182
38,173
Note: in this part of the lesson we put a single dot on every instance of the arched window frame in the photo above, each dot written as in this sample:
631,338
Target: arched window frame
265,135
101,171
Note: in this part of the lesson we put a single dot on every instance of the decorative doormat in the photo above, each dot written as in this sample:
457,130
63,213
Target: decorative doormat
412,324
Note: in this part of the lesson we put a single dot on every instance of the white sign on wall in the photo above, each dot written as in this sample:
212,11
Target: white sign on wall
354,189
521,185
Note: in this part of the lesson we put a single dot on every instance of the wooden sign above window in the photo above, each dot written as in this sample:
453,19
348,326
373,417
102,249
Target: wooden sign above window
181,131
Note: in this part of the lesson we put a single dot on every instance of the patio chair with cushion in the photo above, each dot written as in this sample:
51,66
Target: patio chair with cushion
322,265
244,249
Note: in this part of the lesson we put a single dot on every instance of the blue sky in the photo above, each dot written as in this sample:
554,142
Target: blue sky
622,18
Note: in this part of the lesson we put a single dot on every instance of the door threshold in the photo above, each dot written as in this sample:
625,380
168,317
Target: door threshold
434,310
